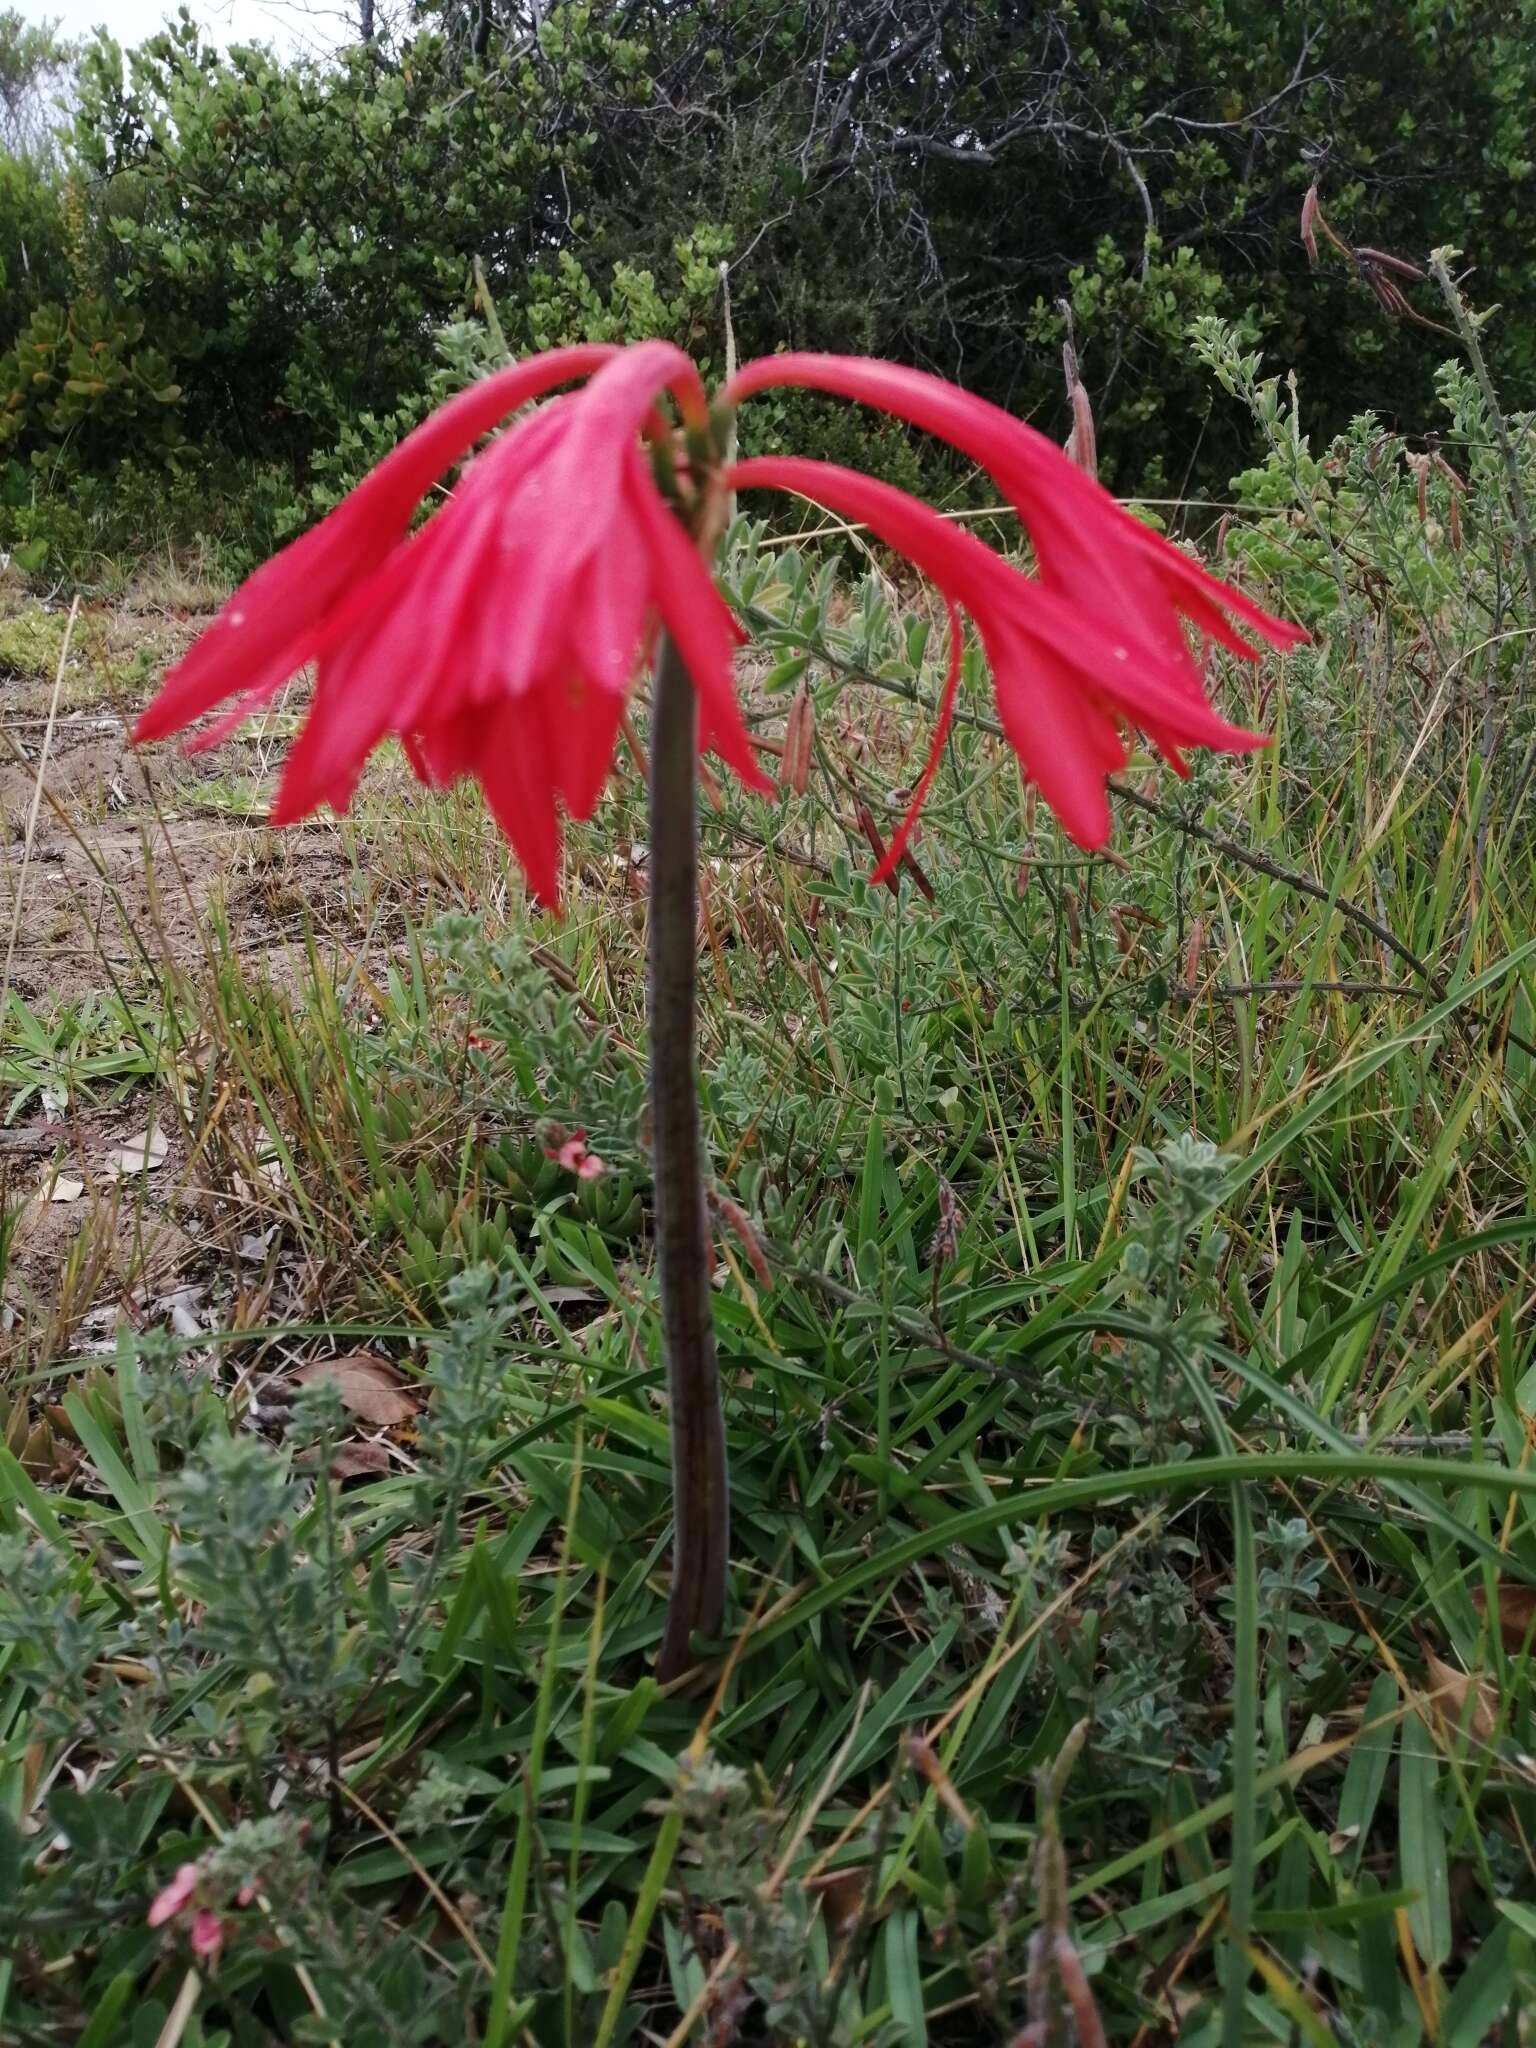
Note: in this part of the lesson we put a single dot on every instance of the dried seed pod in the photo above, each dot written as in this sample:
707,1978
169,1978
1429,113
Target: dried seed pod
946,1237
1399,264
1192,950
1309,212
735,1218
1458,489
871,832
799,737
926,1760
1419,464
909,862
1082,443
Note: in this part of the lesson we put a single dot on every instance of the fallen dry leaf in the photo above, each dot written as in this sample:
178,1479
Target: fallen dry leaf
359,1461
268,1170
371,1387
1517,1616
141,1154
65,1190
1451,1692
842,1894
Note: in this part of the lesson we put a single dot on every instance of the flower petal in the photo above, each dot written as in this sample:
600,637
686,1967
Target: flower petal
520,791
1087,545
170,1900
898,845
268,628
1057,673
705,633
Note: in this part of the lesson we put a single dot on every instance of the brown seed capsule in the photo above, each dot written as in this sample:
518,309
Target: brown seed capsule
946,1238
1419,464
735,1218
1082,443
926,1760
1458,486
1309,223
1399,264
871,832
799,736
710,787
1192,951
909,864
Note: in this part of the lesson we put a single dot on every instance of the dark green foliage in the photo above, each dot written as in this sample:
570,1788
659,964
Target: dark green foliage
78,373
280,237
33,267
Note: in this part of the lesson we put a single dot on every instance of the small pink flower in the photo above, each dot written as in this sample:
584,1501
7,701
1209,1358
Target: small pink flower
169,1902
207,1936
575,1158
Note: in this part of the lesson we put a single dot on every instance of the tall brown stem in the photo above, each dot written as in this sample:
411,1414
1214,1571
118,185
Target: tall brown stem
700,1486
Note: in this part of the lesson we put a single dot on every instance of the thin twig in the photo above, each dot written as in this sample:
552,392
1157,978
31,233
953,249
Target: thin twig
33,813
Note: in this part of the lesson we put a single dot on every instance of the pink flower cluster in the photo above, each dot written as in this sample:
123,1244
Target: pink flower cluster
177,1901
573,1155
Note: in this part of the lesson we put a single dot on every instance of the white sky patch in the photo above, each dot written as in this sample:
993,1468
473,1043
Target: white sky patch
289,24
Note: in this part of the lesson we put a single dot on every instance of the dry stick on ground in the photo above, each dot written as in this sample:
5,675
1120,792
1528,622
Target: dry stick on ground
37,805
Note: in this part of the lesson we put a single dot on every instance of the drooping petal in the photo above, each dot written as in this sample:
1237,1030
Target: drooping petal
919,797
581,723
267,630
609,624
701,625
1067,744
614,407
1060,680
375,677
520,791
500,639
1088,547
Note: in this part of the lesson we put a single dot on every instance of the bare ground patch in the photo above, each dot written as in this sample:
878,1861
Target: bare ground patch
117,868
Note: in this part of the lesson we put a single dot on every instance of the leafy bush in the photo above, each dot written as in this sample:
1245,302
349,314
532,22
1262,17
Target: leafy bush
956,188
78,375
34,266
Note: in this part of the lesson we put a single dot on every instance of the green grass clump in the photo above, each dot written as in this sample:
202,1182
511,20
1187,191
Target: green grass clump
1123,1299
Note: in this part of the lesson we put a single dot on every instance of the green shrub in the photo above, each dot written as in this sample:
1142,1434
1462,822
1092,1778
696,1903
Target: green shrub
282,236
78,375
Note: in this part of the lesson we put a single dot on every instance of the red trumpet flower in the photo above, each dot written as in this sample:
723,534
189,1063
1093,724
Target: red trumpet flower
500,639
1065,680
